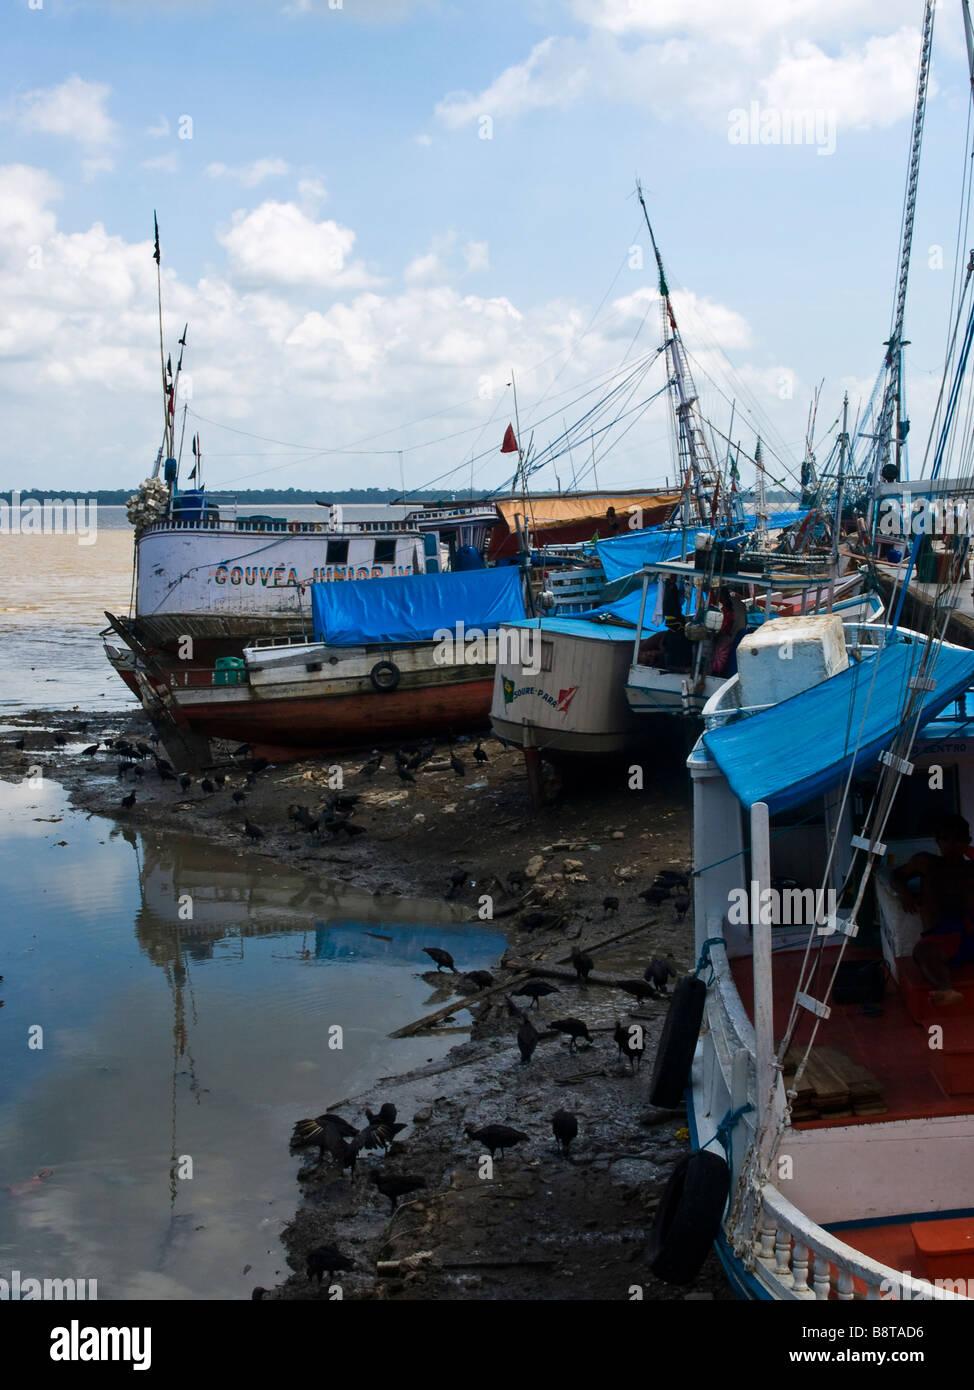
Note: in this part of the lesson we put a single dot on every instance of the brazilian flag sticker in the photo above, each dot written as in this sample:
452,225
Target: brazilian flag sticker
508,690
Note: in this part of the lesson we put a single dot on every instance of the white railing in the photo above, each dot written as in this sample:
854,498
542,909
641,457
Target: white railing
795,1259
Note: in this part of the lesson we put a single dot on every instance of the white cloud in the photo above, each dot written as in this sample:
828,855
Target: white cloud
280,244
424,140
160,129
164,163
699,318
340,362
743,22
421,268
870,85
25,219
545,78
703,59
250,175
75,109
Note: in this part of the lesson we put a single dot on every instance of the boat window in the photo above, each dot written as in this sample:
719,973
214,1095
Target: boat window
385,552
337,553
547,654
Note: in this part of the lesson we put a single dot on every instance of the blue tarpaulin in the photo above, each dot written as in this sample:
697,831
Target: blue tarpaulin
623,554
797,750
358,612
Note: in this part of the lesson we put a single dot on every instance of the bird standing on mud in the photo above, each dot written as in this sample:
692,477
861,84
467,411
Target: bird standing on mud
574,1028
565,1128
459,767
658,972
639,989
630,1042
496,1138
527,1039
396,1185
325,1132
128,801
325,1259
442,958
535,989
254,831
583,966
483,979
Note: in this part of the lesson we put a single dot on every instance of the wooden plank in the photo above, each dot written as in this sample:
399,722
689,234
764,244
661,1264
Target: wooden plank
463,1001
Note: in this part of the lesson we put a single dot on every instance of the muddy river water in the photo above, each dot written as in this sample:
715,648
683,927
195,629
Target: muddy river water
170,1010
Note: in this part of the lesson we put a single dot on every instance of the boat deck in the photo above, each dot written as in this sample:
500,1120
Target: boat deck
916,1081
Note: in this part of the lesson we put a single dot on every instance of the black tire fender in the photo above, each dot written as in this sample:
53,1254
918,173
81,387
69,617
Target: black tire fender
385,676
674,1056
688,1217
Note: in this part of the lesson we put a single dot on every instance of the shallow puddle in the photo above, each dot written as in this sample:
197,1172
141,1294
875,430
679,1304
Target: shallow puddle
173,1044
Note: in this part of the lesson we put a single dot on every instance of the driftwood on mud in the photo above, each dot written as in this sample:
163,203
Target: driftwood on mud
610,940
464,1002
558,972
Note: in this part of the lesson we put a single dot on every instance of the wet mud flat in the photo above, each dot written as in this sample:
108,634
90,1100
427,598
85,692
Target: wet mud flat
533,1224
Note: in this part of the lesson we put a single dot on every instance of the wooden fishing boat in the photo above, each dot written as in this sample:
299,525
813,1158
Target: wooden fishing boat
393,659
828,1105
685,688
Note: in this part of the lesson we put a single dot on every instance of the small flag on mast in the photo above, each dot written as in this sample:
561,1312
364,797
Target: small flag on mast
510,443
157,254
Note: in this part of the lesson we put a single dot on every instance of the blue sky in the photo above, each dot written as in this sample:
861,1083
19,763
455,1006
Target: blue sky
353,257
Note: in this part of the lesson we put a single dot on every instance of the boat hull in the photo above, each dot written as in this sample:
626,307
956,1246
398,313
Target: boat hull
574,705
291,708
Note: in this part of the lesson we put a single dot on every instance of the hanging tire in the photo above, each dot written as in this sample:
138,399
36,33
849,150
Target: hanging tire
385,675
688,1217
674,1056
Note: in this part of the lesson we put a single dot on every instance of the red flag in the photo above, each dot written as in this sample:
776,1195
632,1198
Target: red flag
510,443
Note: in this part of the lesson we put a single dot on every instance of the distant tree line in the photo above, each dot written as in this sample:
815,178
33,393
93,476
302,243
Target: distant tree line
268,496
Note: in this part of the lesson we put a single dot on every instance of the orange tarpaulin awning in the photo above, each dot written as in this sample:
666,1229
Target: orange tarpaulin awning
546,512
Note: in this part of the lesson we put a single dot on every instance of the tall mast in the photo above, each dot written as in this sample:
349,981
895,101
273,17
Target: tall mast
157,257
761,510
892,418
699,476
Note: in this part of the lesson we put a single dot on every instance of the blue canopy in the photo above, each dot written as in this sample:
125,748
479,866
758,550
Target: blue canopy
357,612
796,750
623,554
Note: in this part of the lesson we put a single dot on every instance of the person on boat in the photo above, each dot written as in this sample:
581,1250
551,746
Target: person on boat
731,633
670,649
945,903
672,598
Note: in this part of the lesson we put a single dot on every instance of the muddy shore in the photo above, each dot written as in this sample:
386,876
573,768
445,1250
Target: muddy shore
533,1225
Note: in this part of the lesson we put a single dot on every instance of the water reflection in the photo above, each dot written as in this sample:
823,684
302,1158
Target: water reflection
186,997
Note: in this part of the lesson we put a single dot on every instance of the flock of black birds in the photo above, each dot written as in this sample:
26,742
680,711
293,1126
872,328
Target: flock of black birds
339,1140
334,817
409,758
